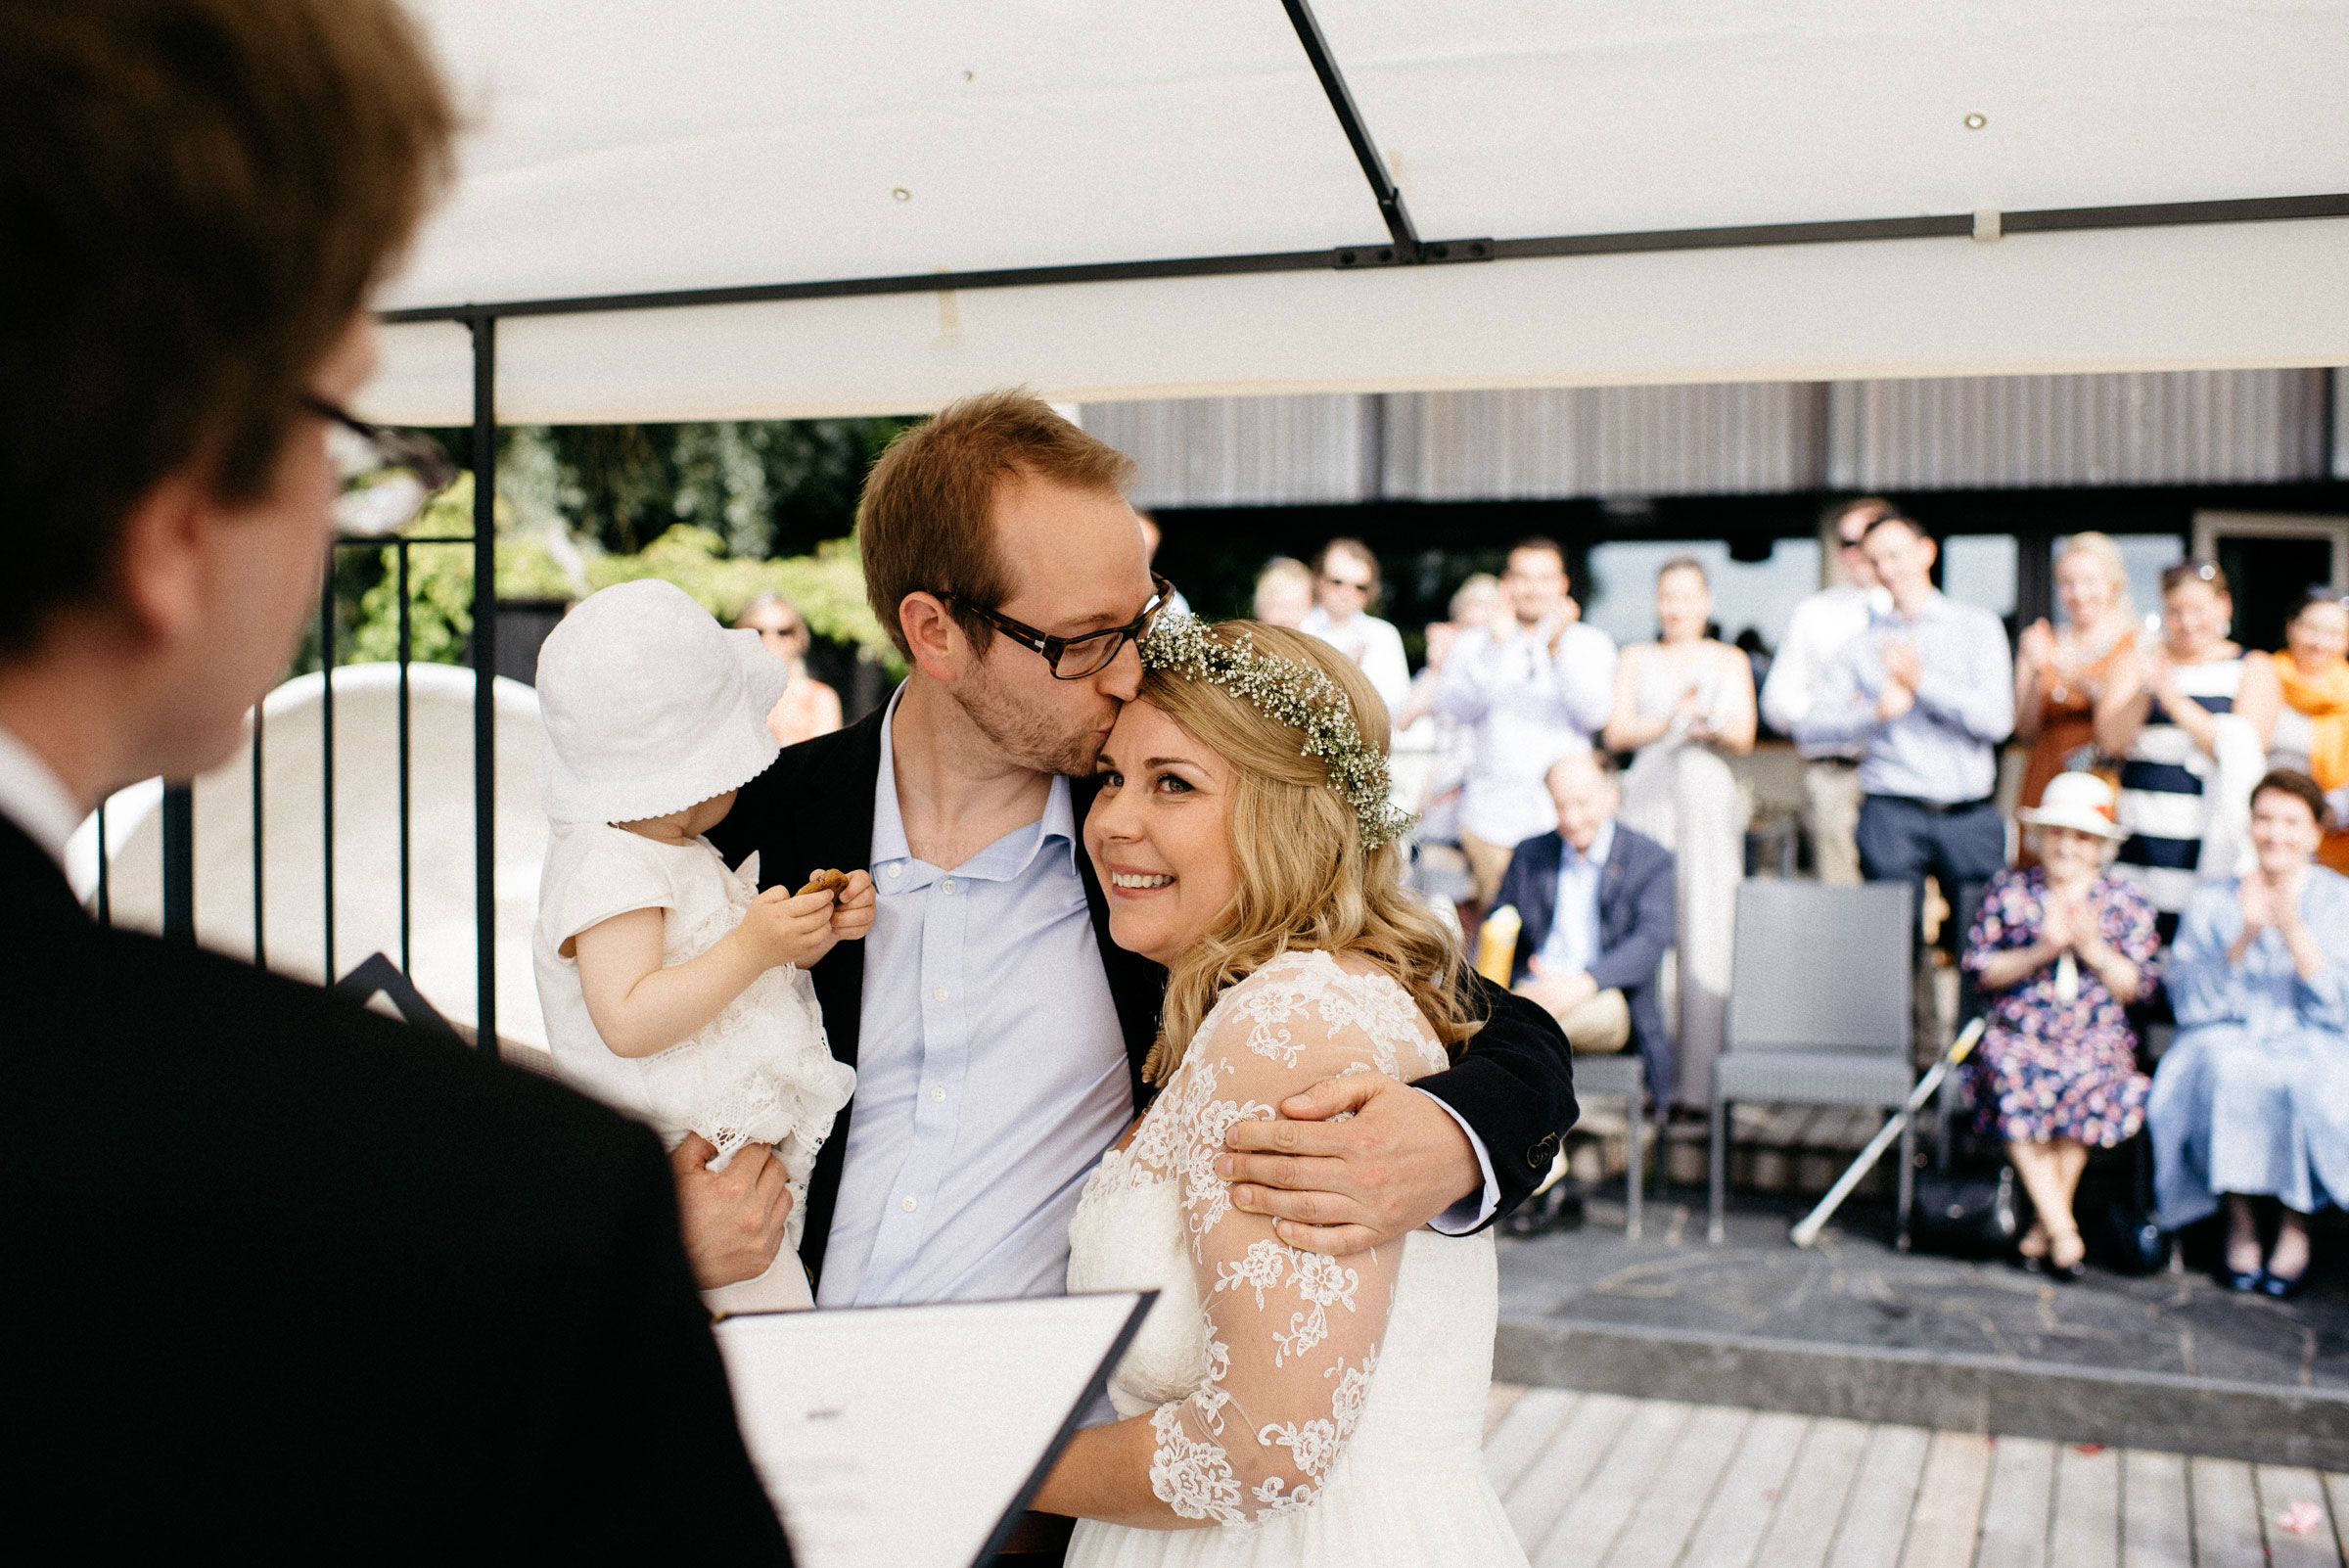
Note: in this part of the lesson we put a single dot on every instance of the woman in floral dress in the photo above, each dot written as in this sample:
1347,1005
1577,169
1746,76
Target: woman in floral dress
2061,949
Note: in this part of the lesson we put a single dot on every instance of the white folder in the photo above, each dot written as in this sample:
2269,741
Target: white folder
911,1436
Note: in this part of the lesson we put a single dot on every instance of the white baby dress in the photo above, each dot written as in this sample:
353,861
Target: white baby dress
757,1072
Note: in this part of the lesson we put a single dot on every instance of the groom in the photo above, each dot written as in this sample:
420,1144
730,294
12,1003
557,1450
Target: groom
997,1031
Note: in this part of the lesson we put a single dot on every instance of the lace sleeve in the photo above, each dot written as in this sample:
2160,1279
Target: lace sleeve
1292,1336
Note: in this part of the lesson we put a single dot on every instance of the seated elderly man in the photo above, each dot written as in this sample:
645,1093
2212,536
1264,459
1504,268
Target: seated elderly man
1597,902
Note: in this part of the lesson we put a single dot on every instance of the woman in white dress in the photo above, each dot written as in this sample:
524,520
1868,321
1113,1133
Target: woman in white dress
1278,1406
1682,703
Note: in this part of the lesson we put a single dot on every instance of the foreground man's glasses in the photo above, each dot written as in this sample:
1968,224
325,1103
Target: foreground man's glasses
387,475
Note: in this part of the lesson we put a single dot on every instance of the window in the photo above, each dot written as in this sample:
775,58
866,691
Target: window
1618,590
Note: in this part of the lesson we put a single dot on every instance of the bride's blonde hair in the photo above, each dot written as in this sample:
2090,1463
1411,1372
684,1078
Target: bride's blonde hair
1306,880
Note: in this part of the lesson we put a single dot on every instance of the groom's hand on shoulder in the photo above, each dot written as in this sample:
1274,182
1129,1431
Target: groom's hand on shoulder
1344,1186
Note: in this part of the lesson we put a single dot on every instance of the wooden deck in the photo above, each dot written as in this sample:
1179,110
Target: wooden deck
1603,1481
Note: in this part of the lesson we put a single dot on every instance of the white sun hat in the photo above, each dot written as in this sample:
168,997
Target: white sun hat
651,706
2080,801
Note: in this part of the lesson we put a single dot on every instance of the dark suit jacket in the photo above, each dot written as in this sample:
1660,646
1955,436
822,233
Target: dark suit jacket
814,808
290,1277
1635,924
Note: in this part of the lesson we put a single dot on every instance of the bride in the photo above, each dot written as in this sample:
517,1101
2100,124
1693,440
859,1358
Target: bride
1278,1406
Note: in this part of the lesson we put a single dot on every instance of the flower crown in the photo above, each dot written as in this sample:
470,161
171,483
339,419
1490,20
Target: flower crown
1289,693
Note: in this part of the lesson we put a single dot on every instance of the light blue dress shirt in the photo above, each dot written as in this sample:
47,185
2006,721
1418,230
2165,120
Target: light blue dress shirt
1943,747
1573,943
990,1070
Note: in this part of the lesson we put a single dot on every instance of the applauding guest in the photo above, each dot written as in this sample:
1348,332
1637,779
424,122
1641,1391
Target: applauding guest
1534,683
1821,627
283,1276
2252,1097
2192,715
2058,675
1684,702
1928,693
2061,947
2311,728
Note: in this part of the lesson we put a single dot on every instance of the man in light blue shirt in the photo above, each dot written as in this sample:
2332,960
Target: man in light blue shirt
980,1105
1928,693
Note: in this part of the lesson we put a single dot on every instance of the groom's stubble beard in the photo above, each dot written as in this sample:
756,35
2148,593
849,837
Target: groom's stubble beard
1033,737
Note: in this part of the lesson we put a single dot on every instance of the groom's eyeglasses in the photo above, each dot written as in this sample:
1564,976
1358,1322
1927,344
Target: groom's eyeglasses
1075,658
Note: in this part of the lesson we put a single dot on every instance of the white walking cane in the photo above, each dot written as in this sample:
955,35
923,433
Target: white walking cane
1807,1229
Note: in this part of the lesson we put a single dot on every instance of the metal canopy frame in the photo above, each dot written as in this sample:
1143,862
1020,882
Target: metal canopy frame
1403,247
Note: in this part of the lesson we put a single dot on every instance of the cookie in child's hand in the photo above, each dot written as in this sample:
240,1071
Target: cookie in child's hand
824,882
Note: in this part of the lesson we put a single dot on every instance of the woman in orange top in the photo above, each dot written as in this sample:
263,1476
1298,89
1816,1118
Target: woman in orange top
2058,675
2312,732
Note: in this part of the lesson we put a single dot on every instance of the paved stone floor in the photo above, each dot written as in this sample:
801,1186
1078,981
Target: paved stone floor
1855,1290
1605,1481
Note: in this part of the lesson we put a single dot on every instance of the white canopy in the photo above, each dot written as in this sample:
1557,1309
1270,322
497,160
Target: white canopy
628,147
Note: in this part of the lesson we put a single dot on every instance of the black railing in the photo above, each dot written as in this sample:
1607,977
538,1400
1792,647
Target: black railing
178,815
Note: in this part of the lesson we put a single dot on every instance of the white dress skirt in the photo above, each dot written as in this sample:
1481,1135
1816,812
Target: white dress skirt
1323,1412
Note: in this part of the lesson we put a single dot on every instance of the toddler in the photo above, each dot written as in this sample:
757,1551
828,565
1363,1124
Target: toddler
673,989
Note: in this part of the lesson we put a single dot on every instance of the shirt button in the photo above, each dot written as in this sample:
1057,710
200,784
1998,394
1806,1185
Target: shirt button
937,1095
907,1204
897,870
948,887
940,993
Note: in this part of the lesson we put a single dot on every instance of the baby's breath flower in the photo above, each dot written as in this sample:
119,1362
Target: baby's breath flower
1292,694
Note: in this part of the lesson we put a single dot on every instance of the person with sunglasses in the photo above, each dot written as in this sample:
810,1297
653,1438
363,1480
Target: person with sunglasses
1822,624
807,707
998,1032
1346,586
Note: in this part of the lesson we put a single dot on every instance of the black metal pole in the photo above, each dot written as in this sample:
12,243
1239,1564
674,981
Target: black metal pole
1357,134
484,674
406,921
260,941
1362,258
106,871
326,741
179,861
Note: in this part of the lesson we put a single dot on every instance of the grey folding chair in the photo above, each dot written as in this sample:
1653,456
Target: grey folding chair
1621,1074
1819,1009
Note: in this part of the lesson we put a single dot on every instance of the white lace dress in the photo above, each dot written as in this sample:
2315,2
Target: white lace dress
760,1072
1320,1410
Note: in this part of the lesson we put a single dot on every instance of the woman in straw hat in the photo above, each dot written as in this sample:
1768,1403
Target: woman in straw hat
2061,947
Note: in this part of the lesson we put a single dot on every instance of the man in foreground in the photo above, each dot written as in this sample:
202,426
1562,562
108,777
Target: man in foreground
282,1275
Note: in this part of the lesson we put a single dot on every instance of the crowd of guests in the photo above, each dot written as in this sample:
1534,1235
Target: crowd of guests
2174,853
